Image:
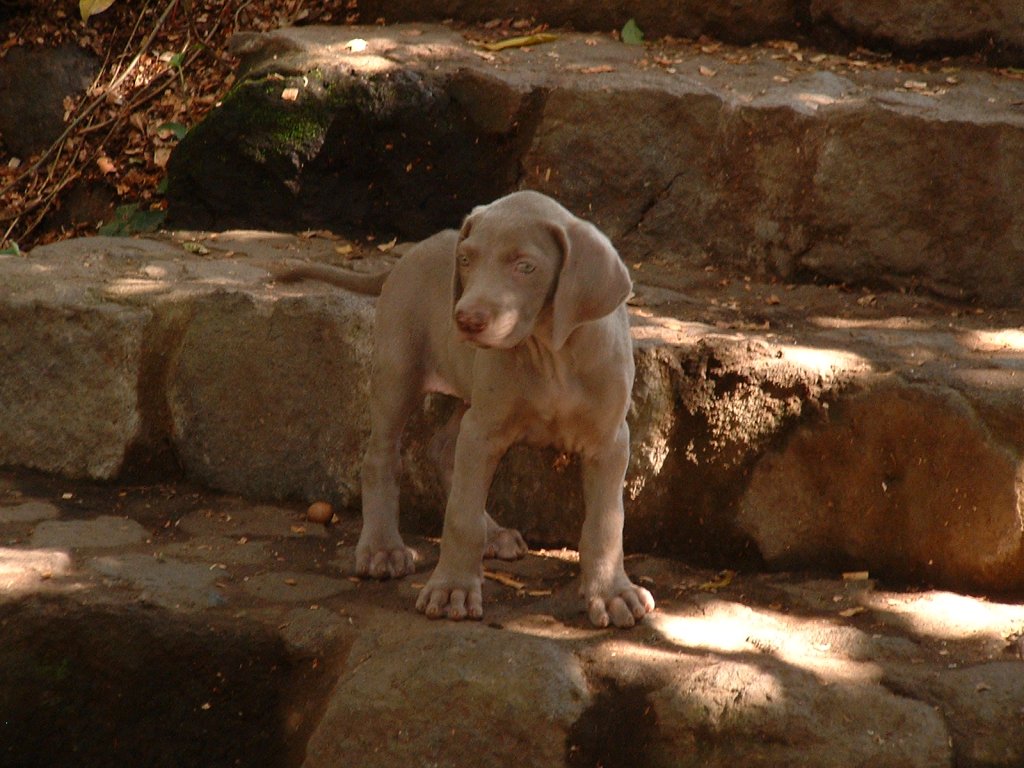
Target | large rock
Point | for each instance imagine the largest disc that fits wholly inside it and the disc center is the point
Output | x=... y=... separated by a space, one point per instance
x=249 y=414
x=934 y=26
x=449 y=695
x=70 y=365
x=928 y=26
x=837 y=442
x=740 y=21
x=34 y=82
x=773 y=160
x=890 y=478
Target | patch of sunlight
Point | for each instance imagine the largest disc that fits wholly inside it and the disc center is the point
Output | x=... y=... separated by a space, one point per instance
x=882 y=324
x=823 y=361
x=1000 y=340
x=650 y=327
x=949 y=616
x=815 y=100
x=23 y=569
x=136 y=286
x=731 y=629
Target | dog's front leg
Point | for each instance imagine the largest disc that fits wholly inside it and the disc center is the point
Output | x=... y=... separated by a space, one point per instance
x=608 y=594
x=455 y=587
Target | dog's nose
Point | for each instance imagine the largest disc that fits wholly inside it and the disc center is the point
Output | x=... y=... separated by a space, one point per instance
x=471 y=322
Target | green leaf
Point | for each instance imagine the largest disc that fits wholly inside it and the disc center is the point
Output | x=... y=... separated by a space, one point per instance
x=129 y=220
x=177 y=129
x=11 y=250
x=177 y=60
x=631 y=33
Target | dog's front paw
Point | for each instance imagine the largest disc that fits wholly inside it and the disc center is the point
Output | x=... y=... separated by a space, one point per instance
x=621 y=603
x=385 y=563
x=455 y=597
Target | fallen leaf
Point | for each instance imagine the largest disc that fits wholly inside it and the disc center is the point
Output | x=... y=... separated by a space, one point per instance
x=520 y=42
x=723 y=580
x=106 y=165
x=200 y=250
x=161 y=156
x=385 y=247
x=850 y=612
x=598 y=70
x=504 y=578
x=290 y=94
x=91 y=7
x=707 y=71
x=915 y=85
x=631 y=34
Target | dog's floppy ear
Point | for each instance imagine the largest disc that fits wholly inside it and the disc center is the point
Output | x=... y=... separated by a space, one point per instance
x=467 y=225
x=593 y=280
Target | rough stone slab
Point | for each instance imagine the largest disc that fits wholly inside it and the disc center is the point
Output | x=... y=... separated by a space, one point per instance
x=933 y=26
x=98 y=533
x=162 y=581
x=527 y=691
x=747 y=669
x=774 y=160
x=293 y=367
x=787 y=425
x=69 y=368
x=930 y=26
x=28 y=512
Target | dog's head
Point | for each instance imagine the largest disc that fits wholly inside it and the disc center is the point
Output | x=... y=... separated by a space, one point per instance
x=525 y=259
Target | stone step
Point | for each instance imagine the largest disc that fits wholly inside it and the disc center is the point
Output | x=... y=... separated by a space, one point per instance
x=992 y=27
x=773 y=160
x=166 y=626
x=793 y=426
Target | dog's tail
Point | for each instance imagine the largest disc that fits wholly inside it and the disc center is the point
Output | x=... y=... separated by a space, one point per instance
x=292 y=270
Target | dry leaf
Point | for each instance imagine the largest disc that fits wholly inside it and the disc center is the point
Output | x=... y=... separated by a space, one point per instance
x=106 y=165
x=506 y=579
x=601 y=69
x=161 y=155
x=915 y=85
x=707 y=71
x=91 y=7
x=290 y=94
x=385 y=247
x=520 y=42
x=724 y=580
x=850 y=612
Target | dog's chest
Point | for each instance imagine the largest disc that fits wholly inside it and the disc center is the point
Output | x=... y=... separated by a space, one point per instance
x=569 y=413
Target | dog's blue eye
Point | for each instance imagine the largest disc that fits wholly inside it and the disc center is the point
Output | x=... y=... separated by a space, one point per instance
x=525 y=267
